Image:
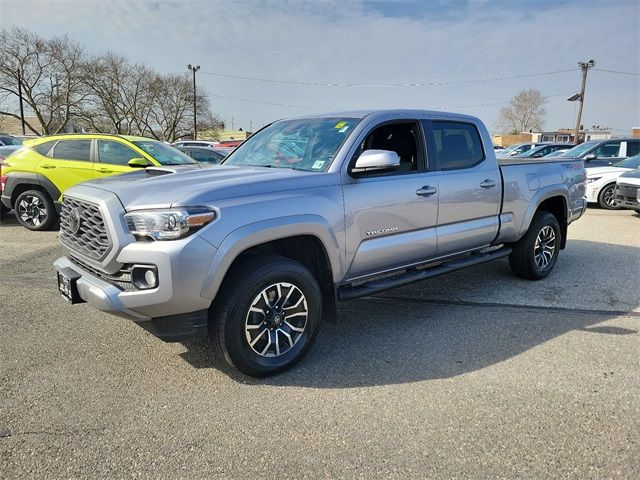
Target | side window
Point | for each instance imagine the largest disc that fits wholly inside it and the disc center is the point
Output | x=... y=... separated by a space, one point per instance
x=403 y=138
x=633 y=148
x=115 y=153
x=458 y=145
x=44 y=148
x=607 y=150
x=206 y=156
x=72 y=150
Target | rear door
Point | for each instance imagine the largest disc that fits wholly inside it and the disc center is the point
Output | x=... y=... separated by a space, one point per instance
x=470 y=187
x=68 y=163
x=112 y=158
x=391 y=216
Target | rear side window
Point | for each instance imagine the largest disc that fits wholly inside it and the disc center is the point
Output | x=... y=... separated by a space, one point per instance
x=44 y=148
x=458 y=145
x=633 y=148
x=72 y=150
x=115 y=153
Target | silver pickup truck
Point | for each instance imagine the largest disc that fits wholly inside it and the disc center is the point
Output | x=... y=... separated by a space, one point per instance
x=309 y=211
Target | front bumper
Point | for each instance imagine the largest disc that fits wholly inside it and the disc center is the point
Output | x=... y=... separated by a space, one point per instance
x=174 y=309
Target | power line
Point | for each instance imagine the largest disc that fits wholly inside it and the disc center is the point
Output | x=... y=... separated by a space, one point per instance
x=384 y=85
x=449 y=107
x=615 y=71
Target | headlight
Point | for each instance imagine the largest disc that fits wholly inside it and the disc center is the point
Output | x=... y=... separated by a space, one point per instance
x=168 y=224
x=592 y=179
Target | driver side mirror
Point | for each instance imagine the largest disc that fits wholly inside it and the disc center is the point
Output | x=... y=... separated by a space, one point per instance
x=138 y=163
x=376 y=160
x=591 y=156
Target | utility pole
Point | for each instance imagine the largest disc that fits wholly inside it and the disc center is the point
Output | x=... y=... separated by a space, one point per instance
x=195 y=118
x=585 y=66
x=20 y=99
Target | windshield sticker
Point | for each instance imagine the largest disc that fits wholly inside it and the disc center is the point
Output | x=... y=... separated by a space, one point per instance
x=343 y=129
x=340 y=125
x=318 y=164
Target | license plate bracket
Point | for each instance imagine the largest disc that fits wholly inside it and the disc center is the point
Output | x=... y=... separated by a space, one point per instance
x=68 y=285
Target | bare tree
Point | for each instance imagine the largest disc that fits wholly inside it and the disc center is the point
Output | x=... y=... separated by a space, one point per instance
x=50 y=73
x=525 y=112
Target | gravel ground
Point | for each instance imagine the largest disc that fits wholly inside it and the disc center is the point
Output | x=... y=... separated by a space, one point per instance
x=474 y=375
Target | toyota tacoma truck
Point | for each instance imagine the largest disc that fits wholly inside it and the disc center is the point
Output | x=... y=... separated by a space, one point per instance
x=309 y=211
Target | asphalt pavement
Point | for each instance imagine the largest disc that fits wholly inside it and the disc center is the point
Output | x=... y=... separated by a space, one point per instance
x=476 y=375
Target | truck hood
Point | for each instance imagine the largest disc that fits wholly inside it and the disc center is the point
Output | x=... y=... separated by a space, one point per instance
x=201 y=185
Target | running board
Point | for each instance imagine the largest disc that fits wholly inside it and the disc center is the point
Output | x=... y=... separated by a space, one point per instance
x=350 y=292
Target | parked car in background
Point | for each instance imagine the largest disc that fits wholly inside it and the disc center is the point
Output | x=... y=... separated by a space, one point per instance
x=602 y=153
x=9 y=140
x=35 y=177
x=7 y=150
x=628 y=190
x=601 y=182
x=195 y=143
x=206 y=154
x=545 y=150
x=517 y=149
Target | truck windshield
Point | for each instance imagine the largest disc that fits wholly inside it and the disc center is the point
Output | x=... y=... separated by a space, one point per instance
x=165 y=154
x=308 y=144
x=578 y=150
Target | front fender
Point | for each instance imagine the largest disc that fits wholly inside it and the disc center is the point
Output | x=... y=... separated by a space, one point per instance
x=265 y=231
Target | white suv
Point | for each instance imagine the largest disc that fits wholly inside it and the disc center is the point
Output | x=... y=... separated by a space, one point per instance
x=601 y=182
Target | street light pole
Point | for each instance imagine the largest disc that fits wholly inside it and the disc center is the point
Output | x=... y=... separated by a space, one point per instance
x=585 y=66
x=195 y=118
x=20 y=100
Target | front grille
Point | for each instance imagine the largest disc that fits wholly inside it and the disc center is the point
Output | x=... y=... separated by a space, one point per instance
x=90 y=237
x=627 y=190
x=121 y=279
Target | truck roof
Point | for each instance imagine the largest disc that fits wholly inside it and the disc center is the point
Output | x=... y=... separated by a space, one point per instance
x=405 y=113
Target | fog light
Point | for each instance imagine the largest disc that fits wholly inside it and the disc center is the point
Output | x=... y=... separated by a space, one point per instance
x=144 y=277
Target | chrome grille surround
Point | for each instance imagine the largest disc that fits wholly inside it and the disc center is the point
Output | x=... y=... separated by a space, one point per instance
x=91 y=239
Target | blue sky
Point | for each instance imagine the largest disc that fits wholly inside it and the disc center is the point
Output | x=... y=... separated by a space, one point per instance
x=368 y=42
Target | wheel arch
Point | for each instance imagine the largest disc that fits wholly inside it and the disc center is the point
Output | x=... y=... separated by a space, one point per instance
x=306 y=239
x=554 y=201
x=20 y=182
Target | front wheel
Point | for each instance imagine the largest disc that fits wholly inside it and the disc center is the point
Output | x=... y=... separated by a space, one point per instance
x=35 y=210
x=535 y=254
x=266 y=315
x=607 y=197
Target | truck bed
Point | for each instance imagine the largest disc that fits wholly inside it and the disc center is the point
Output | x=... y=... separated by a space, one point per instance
x=528 y=161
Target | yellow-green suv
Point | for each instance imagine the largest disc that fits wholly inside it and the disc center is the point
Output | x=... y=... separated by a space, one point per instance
x=34 y=178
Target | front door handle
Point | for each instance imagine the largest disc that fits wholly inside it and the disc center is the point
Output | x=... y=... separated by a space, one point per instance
x=488 y=183
x=426 y=191
x=105 y=170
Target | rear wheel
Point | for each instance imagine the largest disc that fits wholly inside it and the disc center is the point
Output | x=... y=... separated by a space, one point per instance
x=266 y=315
x=535 y=254
x=35 y=210
x=607 y=197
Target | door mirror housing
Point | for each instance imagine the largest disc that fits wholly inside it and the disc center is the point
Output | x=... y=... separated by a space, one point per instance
x=376 y=160
x=138 y=163
x=590 y=156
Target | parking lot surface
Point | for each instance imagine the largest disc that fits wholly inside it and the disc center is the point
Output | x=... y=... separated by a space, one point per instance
x=477 y=374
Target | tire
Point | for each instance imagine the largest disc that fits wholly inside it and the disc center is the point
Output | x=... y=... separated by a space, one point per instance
x=266 y=315
x=607 y=196
x=35 y=210
x=535 y=254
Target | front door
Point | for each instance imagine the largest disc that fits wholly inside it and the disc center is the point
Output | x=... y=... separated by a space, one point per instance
x=391 y=216
x=113 y=158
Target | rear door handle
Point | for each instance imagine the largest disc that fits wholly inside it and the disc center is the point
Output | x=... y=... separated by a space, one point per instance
x=426 y=191
x=48 y=166
x=488 y=184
